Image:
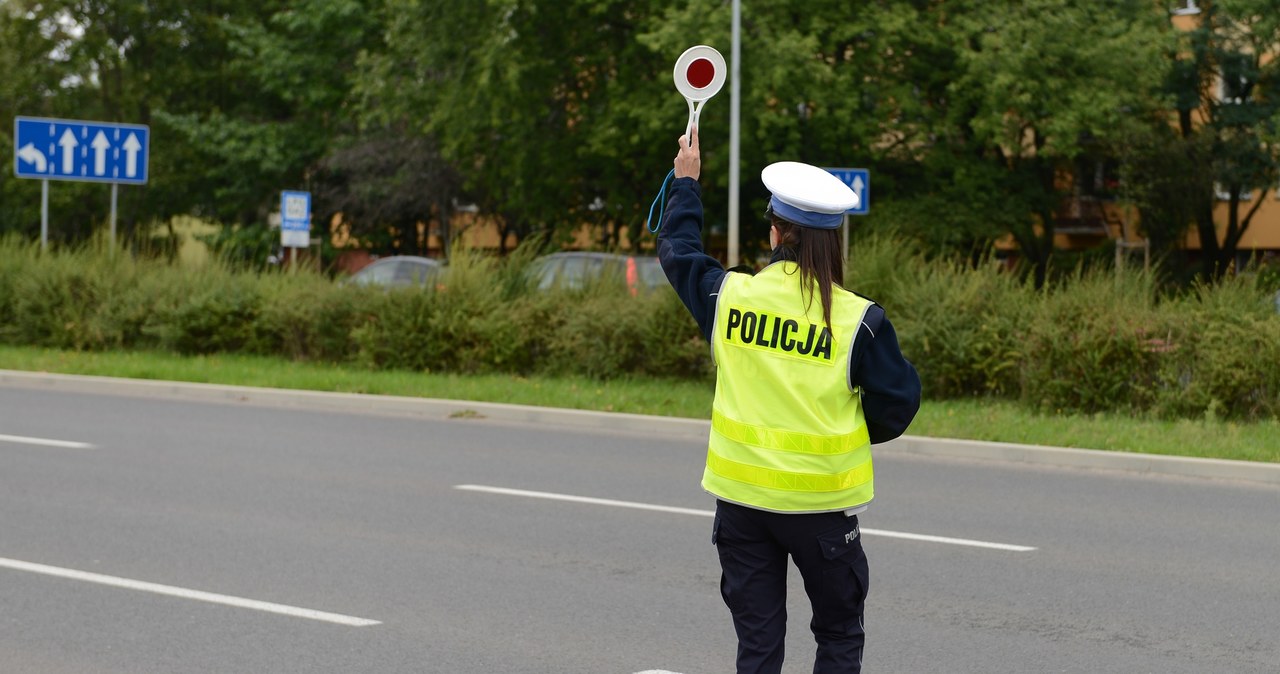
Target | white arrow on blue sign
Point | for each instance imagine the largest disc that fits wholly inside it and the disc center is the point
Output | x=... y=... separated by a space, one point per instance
x=860 y=181
x=70 y=149
x=295 y=219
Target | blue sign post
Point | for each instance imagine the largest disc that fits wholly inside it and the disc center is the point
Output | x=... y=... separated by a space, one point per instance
x=295 y=220
x=860 y=181
x=68 y=149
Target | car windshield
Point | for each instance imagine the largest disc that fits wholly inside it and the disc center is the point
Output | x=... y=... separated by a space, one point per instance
x=576 y=271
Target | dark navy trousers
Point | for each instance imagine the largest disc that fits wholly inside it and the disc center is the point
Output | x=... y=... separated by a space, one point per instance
x=827 y=549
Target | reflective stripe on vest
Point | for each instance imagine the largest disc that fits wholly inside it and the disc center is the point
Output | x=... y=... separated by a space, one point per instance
x=789 y=481
x=788 y=441
x=786 y=433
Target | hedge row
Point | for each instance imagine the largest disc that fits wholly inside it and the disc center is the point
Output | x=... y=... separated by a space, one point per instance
x=1104 y=341
x=1095 y=342
x=482 y=320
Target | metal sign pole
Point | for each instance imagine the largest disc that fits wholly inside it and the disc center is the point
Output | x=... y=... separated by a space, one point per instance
x=845 y=226
x=735 y=61
x=114 y=188
x=44 y=215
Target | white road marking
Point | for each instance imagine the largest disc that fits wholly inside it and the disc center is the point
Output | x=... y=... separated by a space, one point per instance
x=710 y=513
x=45 y=442
x=949 y=541
x=583 y=499
x=656 y=671
x=184 y=593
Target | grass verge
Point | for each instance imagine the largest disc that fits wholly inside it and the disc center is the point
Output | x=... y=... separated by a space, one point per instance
x=994 y=420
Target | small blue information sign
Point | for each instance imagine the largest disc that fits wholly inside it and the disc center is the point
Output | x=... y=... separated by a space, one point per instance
x=860 y=181
x=295 y=219
x=69 y=149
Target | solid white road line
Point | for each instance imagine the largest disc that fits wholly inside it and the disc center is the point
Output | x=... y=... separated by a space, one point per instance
x=185 y=593
x=22 y=440
x=710 y=513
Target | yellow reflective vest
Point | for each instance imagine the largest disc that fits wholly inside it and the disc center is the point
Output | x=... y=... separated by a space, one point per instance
x=787 y=428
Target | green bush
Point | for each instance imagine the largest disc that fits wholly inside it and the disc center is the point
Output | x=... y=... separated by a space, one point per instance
x=674 y=347
x=218 y=314
x=963 y=327
x=302 y=316
x=1092 y=343
x=468 y=323
x=1095 y=341
x=1224 y=349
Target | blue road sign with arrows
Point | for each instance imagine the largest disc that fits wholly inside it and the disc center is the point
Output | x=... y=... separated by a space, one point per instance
x=69 y=149
x=860 y=181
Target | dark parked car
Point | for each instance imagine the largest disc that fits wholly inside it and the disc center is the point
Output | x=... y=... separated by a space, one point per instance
x=576 y=270
x=399 y=271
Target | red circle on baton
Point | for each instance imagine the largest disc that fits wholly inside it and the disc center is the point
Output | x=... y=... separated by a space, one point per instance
x=700 y=73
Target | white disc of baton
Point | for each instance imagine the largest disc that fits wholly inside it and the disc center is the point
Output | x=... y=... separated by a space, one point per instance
x=700 y=72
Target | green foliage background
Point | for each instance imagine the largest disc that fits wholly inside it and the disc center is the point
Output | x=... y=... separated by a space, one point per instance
x=551 y=115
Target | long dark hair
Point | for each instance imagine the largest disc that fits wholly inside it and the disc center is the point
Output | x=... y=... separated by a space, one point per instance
x=817 y=253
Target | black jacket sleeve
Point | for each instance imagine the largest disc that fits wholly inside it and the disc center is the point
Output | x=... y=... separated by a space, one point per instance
x=695 y=275
x=889 y=382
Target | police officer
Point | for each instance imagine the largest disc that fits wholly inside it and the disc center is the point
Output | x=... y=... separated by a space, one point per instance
x=809 y=376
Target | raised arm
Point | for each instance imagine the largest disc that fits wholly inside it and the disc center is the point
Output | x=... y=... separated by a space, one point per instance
x=695 y=275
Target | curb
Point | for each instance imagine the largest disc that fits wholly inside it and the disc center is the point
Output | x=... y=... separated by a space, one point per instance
x=358 y=403
x=692 y=429
x=1068 y=457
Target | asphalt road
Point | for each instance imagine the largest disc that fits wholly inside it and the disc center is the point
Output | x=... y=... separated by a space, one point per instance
x=105 y=549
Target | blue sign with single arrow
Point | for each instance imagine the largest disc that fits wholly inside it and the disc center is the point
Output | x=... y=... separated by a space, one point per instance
x=860 y=181
x=69 y=149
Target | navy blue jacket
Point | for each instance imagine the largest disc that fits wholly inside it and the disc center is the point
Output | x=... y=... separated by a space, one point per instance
x=890 y=385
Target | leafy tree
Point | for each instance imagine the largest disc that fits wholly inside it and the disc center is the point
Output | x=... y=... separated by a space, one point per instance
x=288 y=69
x=44 y=73
x=1042 y=80
x=1226 y=82
x=141 y=63
x=519 y=94
x=382 y=184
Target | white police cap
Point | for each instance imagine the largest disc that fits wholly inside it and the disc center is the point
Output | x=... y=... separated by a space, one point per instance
x=807 y=195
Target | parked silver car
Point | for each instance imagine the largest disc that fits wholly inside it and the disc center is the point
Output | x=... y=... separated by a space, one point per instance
x=576 y=270
x=399 y=271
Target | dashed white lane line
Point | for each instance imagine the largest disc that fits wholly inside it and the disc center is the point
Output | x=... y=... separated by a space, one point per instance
x=710 y=513
x=45 y=442
x=583 y=499
x=185 y=593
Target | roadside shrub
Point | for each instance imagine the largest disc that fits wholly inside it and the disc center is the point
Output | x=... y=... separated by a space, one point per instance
x=962 y=327
x=1092 y=344
x=600 y=334
x=305 y=317
x=1224 y=355
x=392 y=335
x=1095 y=341
x=883 y=267
x=673 y=345
x=54 y=300
x=17 y=256
x=462 y=325
x=218 y=316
